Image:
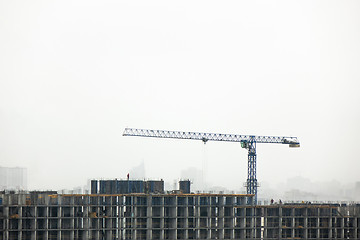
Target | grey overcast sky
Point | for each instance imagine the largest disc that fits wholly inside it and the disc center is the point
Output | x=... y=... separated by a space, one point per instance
x=74 y=74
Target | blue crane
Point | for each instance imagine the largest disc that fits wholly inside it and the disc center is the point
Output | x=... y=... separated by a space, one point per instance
x=247 y=141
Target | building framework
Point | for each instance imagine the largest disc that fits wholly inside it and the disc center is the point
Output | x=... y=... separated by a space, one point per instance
x=170 y=216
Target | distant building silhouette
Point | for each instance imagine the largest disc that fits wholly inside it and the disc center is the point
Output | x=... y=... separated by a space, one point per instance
x=137 y=172
x=13 y=178
x=195 y=176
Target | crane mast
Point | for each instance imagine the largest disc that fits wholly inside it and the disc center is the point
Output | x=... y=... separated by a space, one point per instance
x=247 y=141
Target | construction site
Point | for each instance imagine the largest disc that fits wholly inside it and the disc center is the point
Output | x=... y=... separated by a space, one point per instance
x=126 y=209
x=142 y=209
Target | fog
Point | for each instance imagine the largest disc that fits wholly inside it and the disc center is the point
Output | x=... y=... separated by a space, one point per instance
x=74 y=74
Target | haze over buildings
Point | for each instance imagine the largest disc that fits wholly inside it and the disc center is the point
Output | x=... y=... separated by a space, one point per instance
x=13 y=178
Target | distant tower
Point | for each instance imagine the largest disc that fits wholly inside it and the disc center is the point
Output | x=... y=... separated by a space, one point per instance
x=357 y=191
x=13 y=178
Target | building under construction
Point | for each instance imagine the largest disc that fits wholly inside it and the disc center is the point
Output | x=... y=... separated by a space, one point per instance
x=126 y=209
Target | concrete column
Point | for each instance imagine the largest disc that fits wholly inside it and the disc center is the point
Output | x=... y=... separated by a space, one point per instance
x=197 y=218
x=292 y=223
x=306 y=223
x=330 y=225
x=46 y=219
x=186 y=216
x=72 y=215
x=232 y=224
x=6 y=222
x=175 y=207
x=265 y=223
x=253 y=224
x=109 y=220
x=355 y=228
x=86 y=220
x=280 y=222
x=221 y=217
x=59 y=214
x=133 y=218
x=34 y=228
x=149 y=215
x=119 y=224
x=20 y=220
x=317 y=223
x=208 y=218
x=162 y=218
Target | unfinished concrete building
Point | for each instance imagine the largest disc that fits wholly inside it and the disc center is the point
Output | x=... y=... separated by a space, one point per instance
x=173 y=215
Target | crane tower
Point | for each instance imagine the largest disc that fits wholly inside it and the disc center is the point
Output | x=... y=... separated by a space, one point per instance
x=247 y=141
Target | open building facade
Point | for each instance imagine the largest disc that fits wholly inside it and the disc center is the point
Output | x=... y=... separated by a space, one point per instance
x=150 y=213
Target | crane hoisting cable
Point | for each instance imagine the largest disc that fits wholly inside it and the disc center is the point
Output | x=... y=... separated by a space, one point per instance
x=247 y=141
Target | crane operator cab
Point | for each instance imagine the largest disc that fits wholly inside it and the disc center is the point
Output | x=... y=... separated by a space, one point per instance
x=244 y=144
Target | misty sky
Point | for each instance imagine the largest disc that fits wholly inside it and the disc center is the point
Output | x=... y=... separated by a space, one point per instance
x=74 y=74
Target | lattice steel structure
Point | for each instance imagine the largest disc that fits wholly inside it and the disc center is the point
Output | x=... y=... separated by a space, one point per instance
x=247 y=141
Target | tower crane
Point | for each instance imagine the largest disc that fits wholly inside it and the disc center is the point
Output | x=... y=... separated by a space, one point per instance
x=247 y=141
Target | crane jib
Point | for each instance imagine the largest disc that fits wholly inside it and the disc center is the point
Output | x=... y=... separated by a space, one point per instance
x=209 y=136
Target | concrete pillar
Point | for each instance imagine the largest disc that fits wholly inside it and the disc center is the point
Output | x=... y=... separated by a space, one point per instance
x=292 y=223
x=232 y=223
x=317 y=223
x=162 y=218
x=306 y=223
x=330 y=224
x=356 y=228
x=6 y=223
x=149 y=218
x=186 y=216
x=197 y=218
x=280 y=222
x=221 y=217
x=34 y=227
x=59 y=214
x=208 y=217
x=265 y=235
x=20 y=225
x=174 y=223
